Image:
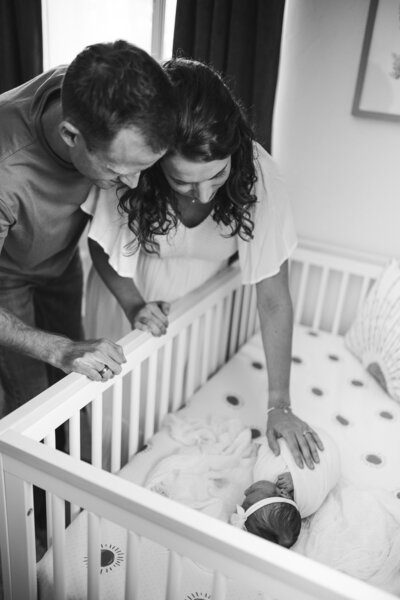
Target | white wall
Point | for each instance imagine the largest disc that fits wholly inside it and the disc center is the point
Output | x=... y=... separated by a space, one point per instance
x=342 y=171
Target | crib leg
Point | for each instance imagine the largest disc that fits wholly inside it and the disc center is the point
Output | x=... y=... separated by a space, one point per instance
x=21 y=539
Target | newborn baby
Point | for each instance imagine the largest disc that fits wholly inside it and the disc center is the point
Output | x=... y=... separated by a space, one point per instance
x=282 y=493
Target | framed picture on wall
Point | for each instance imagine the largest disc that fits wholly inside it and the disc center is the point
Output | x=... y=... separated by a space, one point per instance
x=377 y=93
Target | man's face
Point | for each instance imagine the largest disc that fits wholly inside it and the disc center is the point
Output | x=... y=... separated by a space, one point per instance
x=121 y=162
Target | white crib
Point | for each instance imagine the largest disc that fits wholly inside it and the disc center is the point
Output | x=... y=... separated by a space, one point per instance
x=206 y=329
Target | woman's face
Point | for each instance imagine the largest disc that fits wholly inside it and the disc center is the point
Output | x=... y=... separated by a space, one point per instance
x=195 y=180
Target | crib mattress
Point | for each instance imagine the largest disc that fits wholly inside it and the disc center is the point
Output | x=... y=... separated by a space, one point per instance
x=329 y=388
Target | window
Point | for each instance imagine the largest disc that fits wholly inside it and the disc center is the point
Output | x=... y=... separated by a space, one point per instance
x=70 y=26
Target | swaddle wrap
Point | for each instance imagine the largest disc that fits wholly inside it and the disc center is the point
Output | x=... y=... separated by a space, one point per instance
x=311 y=486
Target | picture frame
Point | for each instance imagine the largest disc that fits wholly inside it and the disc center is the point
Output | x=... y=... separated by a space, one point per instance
x=377 y=93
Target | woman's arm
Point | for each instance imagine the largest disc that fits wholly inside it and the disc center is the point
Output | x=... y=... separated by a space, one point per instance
x=147 y=316
x=276 y=319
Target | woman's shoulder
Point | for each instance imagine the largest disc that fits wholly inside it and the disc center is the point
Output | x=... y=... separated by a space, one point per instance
x=101 y=203
x=263 y=162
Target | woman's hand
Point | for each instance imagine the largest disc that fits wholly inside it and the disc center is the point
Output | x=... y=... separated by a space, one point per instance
x=302 y=440
x=151 y=317
x=146 y=316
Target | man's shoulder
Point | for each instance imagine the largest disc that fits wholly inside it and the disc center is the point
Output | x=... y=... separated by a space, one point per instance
x=20 y=108
x=51 y=79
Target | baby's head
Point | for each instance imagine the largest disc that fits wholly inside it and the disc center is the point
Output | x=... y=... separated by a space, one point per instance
x=275 y=518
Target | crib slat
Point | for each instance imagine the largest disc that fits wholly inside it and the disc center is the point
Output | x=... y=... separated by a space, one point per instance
x=206 y=348
x=49 y=519
x=219 y=587
x=58 y=511
x=134 y=411
x=165 y=383
x=116 y=426
x=233 y=342
x=19 y=577
x=96 y=423
x=93 y=556
x=192 y=359
x=364 y=290
x=217 y=331
x=253 y=313
x=320 y=299
x=302 y=290
x=174 y=576
x=75 y=448
x=179 y=368
x=151 y=397
x=244 y=317
x=340 y=301
x=74 y=426
x=132 y=566
x=49 y=440
x=224 y=338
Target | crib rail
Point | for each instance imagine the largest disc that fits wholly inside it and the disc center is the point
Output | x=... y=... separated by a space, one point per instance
x=213 y=322
x=206 y=329
x=227 y=552
x=328 y=288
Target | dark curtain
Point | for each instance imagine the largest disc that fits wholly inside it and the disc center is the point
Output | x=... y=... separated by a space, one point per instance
x=20 y=42
x=241 y=39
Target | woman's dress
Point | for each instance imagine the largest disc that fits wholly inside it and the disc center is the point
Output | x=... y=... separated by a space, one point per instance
x=187 y=256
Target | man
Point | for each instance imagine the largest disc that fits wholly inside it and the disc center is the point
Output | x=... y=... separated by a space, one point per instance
x=100 y=121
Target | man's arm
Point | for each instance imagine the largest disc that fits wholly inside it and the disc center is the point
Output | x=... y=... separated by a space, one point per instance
x=86 y=357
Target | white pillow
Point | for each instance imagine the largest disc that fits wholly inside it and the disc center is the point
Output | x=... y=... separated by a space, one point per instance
x=374 y=337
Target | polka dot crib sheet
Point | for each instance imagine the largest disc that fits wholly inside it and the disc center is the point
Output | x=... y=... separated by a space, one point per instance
x=329 y=388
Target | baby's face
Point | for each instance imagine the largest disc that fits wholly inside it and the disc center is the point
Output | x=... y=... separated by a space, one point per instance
x=262 y=489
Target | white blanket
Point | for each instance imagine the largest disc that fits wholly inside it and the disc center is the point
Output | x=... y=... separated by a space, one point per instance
x=210 y=465
x=354 y=530
x=330 y=388
x=211 y=468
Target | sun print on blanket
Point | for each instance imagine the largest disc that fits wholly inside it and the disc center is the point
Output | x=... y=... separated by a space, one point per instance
x=111 y=556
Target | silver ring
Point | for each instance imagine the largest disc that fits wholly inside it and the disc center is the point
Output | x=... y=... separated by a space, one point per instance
x=307 y=431
x=104 y=370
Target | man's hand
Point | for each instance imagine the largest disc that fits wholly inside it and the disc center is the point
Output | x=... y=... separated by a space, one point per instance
x=302 y=440
x=89 y=358
x=152 y=317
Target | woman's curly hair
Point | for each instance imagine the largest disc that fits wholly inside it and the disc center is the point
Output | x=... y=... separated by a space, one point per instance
x=211 y=125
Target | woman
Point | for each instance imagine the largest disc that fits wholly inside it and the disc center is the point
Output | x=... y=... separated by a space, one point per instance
x=214 y=193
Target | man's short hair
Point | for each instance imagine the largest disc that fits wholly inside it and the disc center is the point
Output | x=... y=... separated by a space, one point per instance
x=111 y=86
